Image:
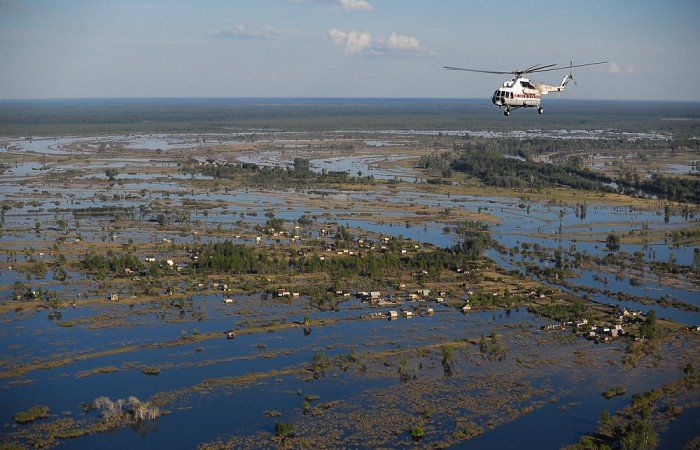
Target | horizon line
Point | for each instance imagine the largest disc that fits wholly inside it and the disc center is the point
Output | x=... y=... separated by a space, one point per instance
x=486 y=99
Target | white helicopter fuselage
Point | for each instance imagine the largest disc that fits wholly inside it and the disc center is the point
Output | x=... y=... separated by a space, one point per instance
x=521 y=93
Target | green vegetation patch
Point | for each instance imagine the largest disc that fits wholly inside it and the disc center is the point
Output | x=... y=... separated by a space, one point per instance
x=150 y=370
x=614 y=392
x=30 y=415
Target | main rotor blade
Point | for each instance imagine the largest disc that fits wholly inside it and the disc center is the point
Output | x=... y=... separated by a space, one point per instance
x=537 y=68
x=530 y=68
x=570 y=67
x=475 y=70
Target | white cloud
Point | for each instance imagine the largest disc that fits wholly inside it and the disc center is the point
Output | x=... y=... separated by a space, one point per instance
x=348 y=5
x=403 y=43
x=356 y=5
x=255 y=31
x=133 y=6
x=614 y=68
x=352 y=43
x=358 y=42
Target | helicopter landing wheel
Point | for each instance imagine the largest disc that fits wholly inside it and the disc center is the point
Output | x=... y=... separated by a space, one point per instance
x=540 y=110
x=506 y=112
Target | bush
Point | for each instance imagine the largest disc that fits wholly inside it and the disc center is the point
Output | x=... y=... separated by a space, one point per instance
x=150 y=370
x=639 y=435
x=30 y=415
x=125 y=412
x=614 y=392
x=284 y=429
x=418 y=432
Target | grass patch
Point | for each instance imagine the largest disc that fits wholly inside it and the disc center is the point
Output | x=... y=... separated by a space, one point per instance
x=150 y=370
x=614 y=392
x=30 y=415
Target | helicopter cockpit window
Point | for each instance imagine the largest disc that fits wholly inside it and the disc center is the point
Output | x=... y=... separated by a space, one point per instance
x=527 y=85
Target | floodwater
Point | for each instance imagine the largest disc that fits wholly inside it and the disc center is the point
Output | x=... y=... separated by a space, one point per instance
x=42 y=336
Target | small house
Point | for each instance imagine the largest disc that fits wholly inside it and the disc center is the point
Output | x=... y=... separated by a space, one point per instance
x=393 y=315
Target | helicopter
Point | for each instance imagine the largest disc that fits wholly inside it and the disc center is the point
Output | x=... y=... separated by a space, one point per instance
x=520 y=92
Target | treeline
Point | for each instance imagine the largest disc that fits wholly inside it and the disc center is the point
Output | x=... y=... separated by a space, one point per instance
x=536 y=146
x=495 y=170
x=110 y=210
x=227 y=257
x=670 y=188
x=299 y=173
x=376 y=265
x=561 y=312
x=111 y=262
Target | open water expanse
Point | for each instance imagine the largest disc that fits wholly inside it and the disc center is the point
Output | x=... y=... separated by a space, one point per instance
x=545 y=393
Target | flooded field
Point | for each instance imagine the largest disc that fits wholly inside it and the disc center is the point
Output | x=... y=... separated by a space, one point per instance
x=337 y=328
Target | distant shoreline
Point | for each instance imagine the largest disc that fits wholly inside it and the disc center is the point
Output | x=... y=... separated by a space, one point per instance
x=238 y=100
x=202 y=115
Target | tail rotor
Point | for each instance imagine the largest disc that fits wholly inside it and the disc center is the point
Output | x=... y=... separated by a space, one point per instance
x=571 y=74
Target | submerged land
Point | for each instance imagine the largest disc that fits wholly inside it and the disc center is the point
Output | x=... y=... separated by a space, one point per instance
x=349 y=273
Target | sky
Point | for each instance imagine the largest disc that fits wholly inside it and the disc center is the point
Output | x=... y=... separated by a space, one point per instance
x=343 y=48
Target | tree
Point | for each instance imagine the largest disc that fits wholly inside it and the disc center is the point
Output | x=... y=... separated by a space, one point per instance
x=688 y=369
x=613 y=242
x=447 y=357
x=111 y=173
x=639 y=435
x=418 y=432
x=284 y=429
x=648 y=329
x=301 y=166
